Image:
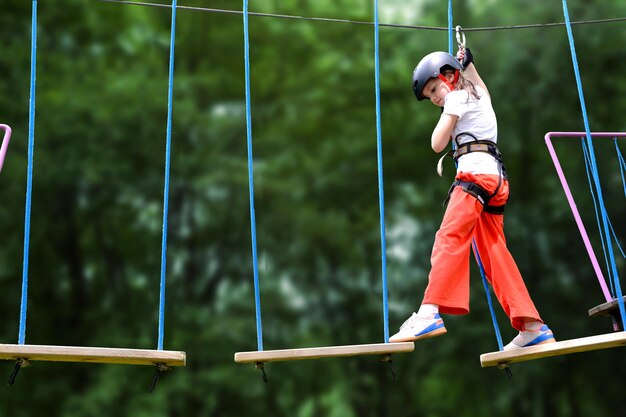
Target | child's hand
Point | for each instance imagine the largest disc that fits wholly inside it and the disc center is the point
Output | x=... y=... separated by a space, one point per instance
x=460 y=54
x=464 y=55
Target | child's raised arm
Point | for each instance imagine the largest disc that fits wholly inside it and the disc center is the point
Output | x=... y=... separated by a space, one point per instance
x=470 y=71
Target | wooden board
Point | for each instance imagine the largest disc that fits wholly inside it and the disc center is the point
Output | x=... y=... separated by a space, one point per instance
x=565 y=347
x=323 y=352
x=92 y=355
x=606 y=308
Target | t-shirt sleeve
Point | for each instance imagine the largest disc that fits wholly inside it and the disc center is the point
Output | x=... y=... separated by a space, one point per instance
x=456 y=103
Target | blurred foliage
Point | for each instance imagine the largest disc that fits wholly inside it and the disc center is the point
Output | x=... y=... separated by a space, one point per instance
x=97 y=205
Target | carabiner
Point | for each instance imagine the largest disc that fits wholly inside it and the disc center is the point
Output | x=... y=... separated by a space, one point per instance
x=460 y=37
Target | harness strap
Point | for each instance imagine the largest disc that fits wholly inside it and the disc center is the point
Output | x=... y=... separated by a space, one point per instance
x=478 y=193
x=485 y=146
x=489 y=148
x=472 y=188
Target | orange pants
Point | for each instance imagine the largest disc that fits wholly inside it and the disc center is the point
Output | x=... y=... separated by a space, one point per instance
x=448 y=281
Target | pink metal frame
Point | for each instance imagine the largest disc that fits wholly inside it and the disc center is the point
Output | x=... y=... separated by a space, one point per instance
x=572 y=203
x=5 y=143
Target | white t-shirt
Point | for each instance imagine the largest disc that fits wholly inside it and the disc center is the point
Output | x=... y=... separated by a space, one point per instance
x=476 y=116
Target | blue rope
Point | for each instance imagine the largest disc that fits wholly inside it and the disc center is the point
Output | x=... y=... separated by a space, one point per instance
x=588 y=168
x=597 y=218
x=166 y=190
x=595 y=174
x=381 y=191
x=587 y=162
x=622 y=164
x=489 y=302
x=616 y=240
x=255 y=262
x=29 y=179
x=450 y=28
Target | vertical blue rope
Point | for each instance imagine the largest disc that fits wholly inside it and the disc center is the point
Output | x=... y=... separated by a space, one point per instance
x=255 y=262
x=29 y=180
x=381 y=191
x=622 y=164
x=166 y=188
x=450 y=29
x=595 y=174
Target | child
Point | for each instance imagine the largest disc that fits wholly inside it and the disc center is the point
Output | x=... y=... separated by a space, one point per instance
x=475 y=206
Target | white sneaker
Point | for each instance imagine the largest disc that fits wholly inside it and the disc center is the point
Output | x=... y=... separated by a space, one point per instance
x=531 y=338
x=416 y=327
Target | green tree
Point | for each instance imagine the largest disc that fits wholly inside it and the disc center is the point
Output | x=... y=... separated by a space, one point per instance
x=98 y=190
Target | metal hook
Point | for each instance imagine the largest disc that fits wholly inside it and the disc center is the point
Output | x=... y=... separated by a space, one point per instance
x=506 y=368
x=21 y=363
x=460 y=37
x=261 y=367
x=387 y=358
x=160 y=367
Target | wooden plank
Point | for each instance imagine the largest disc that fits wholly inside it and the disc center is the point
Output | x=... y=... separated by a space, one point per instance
x=606 y=309
x=323 y=352
x=92 y=355
x=565 y=347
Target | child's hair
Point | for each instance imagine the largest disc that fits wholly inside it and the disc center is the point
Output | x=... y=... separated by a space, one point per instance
x=464 y=84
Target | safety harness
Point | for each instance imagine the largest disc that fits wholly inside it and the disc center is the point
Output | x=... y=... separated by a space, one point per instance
x=472 y=188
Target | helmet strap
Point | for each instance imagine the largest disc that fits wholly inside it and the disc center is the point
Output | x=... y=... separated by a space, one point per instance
x=448 y=83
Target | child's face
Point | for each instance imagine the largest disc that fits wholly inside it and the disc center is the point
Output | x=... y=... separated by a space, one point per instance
x=436 y=90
